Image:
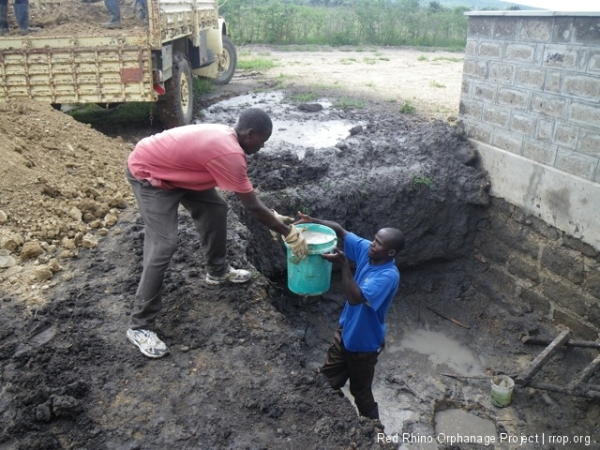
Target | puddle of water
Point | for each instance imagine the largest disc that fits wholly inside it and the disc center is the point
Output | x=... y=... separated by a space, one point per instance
x=313 y=129
x=453 y=423
x=441 y=350
x=391 y=415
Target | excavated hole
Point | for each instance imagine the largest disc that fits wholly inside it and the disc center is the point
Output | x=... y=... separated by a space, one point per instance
x=367 y=171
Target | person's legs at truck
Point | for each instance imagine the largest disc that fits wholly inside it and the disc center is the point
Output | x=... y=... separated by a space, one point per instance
x=3 y=17
x=114 y=10
x=22 y=16
x=140 y=8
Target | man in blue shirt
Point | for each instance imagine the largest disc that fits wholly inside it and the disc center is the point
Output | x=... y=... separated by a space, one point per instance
x=356 y=344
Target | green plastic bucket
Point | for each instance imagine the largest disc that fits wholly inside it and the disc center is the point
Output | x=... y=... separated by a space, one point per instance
x=502 y=390
x=311 y=275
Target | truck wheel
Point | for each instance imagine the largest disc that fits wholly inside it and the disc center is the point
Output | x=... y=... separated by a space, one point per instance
x=227 y=62
x=177 y=106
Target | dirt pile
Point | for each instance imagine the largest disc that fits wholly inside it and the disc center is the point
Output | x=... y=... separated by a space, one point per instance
x=62 y=186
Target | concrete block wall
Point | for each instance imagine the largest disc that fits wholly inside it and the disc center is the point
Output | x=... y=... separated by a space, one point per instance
x=532 y=266
x=531 y=86
x=530 y=104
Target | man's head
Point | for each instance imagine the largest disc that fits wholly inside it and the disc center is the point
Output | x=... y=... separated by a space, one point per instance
x=253 y=129
x=386 y=245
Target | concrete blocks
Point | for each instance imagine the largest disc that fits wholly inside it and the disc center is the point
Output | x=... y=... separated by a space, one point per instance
x=530 y=104
x=586 y=87
x=530 y=77
x=523 y=124
x=537 y=268
x=587 y=114
x=501 y=73
x=520 y=52
x=508 y=141
x=586 y=30
x=496 y=115
x=548 y=105
x=538 y=151
x=560 y=57
x=536 y=30
x=513 y=98
x=576 y=163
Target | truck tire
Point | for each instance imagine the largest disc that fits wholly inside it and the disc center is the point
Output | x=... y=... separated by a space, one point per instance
x=177 y=105
x=227 y=62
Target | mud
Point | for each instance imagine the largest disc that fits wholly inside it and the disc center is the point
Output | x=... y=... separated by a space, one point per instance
x=241 y=370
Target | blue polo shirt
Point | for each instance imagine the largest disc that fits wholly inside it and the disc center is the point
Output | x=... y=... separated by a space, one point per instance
x=363 y=326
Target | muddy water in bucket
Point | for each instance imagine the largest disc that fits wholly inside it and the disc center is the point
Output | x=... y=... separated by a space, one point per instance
x=311 y=275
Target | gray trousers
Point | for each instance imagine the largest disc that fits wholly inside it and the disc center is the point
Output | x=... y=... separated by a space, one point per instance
x=158 y=208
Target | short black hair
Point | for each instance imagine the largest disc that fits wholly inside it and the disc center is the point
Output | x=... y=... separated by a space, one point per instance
x=395 y=239
x=256 y=119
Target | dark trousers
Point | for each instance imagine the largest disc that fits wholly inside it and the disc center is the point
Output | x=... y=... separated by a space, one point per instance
x=342 y=365
x=158 y=208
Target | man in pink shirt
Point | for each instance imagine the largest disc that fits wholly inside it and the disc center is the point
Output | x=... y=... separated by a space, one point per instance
x=184 y=165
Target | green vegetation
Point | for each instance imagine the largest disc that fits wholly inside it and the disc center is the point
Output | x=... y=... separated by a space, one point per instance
x=420 y=180
x=202 y=86
x=435 y=84
x=407 y=108
x=357 y=23
x=304 y=97
x=422 y=58
x=447 y=58
x=349 y=103
x=255 y=63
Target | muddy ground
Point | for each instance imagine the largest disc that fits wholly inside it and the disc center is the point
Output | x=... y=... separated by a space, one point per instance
x=241 y=370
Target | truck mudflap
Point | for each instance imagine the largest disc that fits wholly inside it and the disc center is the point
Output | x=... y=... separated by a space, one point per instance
x=91 y=70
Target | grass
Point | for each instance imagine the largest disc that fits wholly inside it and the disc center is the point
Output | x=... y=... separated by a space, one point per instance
x=435 y=84
x=420 y=180
x=257 y=63
x=448 y=58
x=422 y=58
x=304 y=97
x=407 y=108
x=202 y=86
x=349 y=103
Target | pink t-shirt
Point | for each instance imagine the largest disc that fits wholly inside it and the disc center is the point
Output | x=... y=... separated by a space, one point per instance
x=195 y=157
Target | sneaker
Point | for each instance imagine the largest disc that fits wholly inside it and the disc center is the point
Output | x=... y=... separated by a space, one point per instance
x=112 y=25
x=148 y=343
x=232 y=275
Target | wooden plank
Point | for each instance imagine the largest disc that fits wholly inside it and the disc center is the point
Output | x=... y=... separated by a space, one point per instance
x=525 y=377
x=570 y=343
x=586 y=374
x=588 y=393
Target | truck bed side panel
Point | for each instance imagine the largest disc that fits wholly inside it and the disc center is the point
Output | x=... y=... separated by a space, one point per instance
x=93 y=71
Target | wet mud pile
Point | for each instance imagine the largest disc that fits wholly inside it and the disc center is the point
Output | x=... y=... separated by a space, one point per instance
x=392 y=171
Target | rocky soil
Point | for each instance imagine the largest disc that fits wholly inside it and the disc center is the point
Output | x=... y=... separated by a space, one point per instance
x=241 y=370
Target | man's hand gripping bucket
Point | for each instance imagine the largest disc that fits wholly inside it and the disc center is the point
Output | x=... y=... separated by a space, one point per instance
x=311 y=275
